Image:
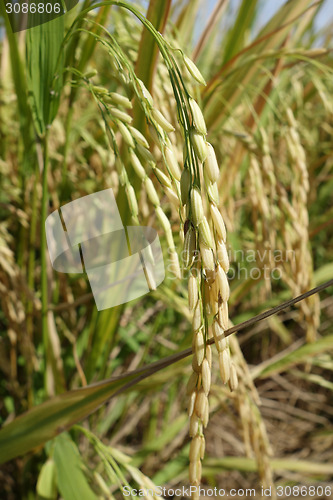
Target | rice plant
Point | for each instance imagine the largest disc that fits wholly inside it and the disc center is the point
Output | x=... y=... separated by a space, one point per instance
x=218 y=134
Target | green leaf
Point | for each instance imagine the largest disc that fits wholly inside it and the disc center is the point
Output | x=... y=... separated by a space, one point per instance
x=283 y=362
x=44 y=422
x=44 y=71
x=237 y=37
x=46 y=484
x=71 y=480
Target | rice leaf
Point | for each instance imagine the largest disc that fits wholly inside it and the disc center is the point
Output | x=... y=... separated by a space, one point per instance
x=71 y=480
x=44 y=62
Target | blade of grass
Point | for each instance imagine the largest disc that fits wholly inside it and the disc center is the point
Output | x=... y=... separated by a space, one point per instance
x=59 y=413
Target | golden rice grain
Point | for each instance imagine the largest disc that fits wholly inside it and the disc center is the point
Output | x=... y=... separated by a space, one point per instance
x=199 y=145
x=196 y=321
x=198 y=119
x=194 y=425
x=151 y=191
x=207 y=256
x=218 y=222
x=162 y=121
x=193 y=70
x=196 y=206
x=199 y=345
x=120 y=99
x=222 y=255
x=211 y=166
x=138 y=137
x=224 y=365
x=191 y=402
x=172 y=163
x=223 y=316
x=206 y=376
x=205 y=234
x=191 y=384
x=195 y=448
x=200 y=404
x=121 y=115
x=126 y=134
x=192 y=292
x=223 y=284
x=233 y=382
x=138 y=168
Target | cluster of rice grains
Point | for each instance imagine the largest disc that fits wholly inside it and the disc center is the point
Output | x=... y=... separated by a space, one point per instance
x=194 y=193
x=205 y=254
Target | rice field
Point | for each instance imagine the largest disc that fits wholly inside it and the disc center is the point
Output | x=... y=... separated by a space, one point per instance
x=213 y=127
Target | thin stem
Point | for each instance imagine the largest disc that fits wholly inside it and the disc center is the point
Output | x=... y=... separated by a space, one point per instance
x=44 y=287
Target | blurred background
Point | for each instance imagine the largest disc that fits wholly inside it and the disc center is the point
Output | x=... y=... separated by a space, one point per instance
x=268 y=108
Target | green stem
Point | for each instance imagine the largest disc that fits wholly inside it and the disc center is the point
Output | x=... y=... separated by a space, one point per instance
x=44 y=287
x=30 y=281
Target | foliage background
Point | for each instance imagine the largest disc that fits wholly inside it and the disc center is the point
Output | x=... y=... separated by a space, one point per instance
x=268 y=108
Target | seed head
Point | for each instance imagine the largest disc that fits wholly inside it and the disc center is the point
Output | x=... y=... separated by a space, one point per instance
x=144 y=153
x=199 y=345
x=205 y=234
x=120 y=99
x=200 y=403
x=193 y=70
x=151 y=192
x=222 y=316
x=163 y=219
x=194 y=425
x=202 y=447
x=209 y=355
x=196 y=322
x=206 y=376
x=126 y=134
x=132 y=200
x=192 y=291
x=191 y=384
x=148 y=270
x=162 y=177
x=223 y=284
x=138 y=168
x=222 y=255
x=189 y=247
x=139 y=138
x=195 y=447
x=172 y=197
x=198 y=119
x=218 y=333
x=233 y=382
x=191 y=402
x=193 y=473
x=144 y=92
x=224 y=365
x=196 y=206
x=172 y=163
x=212 y=189
x=162 y=121
x=124 y=117
x=207 y=256
x=211 y=166
x=218 y=222
x=174 y=266
x=199 y=145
